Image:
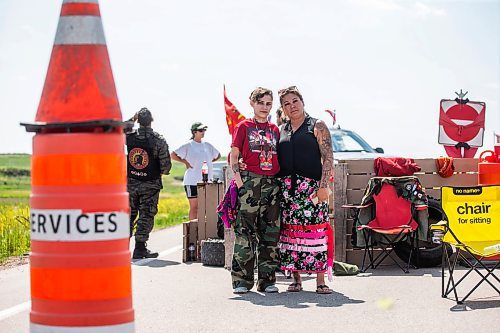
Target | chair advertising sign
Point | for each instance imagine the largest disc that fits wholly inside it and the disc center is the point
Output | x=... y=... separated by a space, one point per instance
x=473 y=214
x=473 y=229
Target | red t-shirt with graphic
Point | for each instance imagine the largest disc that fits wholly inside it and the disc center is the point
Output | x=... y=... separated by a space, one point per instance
x=258 y=143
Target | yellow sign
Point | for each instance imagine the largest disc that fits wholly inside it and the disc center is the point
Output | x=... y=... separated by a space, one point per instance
x=473 y=215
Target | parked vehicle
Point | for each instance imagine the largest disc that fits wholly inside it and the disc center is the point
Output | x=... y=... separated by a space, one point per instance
x=348 y=145
x=217 y=170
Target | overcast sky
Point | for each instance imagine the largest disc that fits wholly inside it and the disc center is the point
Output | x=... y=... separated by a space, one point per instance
x=383 y=65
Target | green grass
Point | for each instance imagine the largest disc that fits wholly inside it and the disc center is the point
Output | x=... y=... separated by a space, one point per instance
x=14 y=230
x=15 y=187
x=14 y=176
x=172 y=184
x=15 y=161
x=173 y=207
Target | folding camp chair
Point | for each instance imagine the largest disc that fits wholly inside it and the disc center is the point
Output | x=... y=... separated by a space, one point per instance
x=473 y=232
x=392 y=219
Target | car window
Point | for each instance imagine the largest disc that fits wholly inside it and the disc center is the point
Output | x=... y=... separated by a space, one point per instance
x=346 y=141
x=217 y=172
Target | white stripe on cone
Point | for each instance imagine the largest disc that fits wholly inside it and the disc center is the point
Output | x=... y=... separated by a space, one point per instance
x=122 y=328
x=80 y=30
x=67 y=225
x=80 y=1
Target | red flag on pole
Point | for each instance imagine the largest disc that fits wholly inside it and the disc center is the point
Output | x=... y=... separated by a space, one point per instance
x=497 y=145
x=334 y=116
x=233 y=116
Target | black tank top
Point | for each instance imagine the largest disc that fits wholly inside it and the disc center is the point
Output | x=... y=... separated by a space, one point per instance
x=141 y=162
x=298 y=152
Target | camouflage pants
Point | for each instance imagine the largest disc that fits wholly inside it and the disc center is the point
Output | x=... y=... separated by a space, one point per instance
x=256 y=232
x=143 y=200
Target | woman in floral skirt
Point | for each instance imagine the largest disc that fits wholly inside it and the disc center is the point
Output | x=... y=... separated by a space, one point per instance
x=306 y=161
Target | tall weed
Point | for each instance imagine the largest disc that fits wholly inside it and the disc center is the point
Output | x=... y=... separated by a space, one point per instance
x=171 y=211
x=14 y=230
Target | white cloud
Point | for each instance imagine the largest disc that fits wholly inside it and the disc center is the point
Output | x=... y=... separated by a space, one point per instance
x=28 y=29
x=493 y=86
x=169 y=67
x=384 y=5
x=423 y=10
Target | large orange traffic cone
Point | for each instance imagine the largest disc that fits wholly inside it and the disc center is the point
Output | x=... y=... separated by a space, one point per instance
x=79 y=86
x=80 y=263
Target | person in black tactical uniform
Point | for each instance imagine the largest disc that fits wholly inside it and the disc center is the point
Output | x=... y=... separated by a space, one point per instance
x=147 y=159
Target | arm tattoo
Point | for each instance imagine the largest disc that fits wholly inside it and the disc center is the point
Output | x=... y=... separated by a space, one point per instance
x=235 y=167
x=325 y=146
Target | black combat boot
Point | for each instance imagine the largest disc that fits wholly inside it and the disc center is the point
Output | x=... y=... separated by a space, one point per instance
x=141 y=252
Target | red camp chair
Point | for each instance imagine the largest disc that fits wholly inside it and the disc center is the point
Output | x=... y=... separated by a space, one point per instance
x=393 y=222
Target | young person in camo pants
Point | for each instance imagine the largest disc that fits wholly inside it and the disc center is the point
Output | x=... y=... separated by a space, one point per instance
x=257 y=223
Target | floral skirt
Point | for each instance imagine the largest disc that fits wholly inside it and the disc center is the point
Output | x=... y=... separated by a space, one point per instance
x=305 y=228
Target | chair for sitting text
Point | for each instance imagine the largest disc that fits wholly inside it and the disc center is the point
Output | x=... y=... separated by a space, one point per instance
x=473 y=232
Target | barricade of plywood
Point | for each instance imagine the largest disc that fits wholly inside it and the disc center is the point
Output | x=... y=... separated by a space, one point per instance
x=205 y=226
x=351 y=178
x=209 y=196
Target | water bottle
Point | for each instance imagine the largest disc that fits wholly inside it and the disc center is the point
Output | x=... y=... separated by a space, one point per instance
x=191 y=252
x=204 y=172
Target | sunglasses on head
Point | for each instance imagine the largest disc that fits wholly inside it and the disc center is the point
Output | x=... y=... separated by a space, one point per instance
x=291 y=89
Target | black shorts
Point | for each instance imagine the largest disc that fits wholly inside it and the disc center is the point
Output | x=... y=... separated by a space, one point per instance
x=191 y=191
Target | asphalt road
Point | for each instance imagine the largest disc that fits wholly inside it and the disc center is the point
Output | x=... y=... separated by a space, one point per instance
x=170 y=296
